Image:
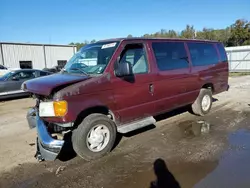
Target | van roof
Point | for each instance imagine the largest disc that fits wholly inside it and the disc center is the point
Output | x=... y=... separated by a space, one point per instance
x=160 y=39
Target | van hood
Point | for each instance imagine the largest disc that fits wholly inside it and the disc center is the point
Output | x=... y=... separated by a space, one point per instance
x=45 y=85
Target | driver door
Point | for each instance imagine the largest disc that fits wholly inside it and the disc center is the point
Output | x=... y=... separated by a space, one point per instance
x=134 y=95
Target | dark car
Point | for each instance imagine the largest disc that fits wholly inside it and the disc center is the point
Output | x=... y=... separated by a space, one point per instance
x=54 y=69
x=128 y=83
x=10 y=83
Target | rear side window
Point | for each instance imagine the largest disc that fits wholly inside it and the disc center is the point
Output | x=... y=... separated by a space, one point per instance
x=170 y=55
x=203 y=53
x=223 y=55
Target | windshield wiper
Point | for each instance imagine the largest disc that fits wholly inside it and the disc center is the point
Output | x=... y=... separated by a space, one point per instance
x=82 y=71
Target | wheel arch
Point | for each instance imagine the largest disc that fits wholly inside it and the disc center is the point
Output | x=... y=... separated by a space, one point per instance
x=94 y=109
x=209 y=86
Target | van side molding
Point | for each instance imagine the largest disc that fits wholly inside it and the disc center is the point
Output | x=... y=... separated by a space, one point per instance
x=128 y=127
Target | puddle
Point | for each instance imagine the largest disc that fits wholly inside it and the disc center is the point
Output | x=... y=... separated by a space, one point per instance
x=233 y=170
x=184 y=174
x=194 y=128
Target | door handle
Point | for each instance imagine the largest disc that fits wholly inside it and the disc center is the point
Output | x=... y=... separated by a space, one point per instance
x=151 y=88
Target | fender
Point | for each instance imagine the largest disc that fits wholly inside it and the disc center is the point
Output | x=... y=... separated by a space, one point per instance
x=76 y=106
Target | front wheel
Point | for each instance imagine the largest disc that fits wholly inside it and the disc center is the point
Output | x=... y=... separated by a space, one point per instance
x=203 y=103
x=94 y=137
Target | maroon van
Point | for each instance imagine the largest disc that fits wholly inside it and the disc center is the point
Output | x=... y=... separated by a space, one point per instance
x=119 y=85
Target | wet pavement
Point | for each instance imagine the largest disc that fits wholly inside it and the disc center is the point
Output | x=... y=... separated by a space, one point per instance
x=233 y=169
x=210 y=151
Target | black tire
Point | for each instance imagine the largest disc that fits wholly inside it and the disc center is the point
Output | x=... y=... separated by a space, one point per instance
x=197 y=108
x=80 y=134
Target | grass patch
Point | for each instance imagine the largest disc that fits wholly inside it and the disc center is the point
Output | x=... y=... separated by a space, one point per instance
x=233 y=74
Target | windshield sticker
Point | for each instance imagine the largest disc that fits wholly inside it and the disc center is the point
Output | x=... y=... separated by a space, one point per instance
x=108 y=45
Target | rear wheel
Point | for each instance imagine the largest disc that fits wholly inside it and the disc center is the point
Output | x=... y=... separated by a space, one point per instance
x=203 y=103
x=94 y=137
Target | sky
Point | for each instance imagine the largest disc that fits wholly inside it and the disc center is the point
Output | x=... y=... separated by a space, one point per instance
x=65 y=21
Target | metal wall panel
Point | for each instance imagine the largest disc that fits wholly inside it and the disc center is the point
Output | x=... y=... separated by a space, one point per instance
x=55 y=53
x=239 y=58
x=1 y=55
x=13 y=53
x=74 y=49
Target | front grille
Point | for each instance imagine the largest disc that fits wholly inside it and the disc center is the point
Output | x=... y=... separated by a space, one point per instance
x=54 y=128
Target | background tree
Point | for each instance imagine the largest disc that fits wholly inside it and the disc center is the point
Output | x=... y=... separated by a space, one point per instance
x=240 y=33
x=172 y=34
x=223 y=35
x=188 y=32
x=146 y=35
x=235 y=35
x=79 y=45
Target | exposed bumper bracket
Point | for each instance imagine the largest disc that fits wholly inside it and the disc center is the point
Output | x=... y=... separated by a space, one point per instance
x=31 y=118
x=48 y=147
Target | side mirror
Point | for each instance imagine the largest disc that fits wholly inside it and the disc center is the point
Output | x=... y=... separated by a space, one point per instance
x=123 y=69
x=15 y=78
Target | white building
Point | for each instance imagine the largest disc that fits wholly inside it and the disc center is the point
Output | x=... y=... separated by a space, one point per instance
x=37 y=56
x=238 y=58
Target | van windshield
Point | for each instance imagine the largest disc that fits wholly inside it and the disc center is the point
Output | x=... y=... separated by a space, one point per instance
x=91 y=59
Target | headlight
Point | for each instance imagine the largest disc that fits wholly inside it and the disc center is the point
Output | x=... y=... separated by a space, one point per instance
x=23 y=86
x=52 y=109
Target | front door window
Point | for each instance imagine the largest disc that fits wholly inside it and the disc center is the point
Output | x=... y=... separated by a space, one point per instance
x=136 y=56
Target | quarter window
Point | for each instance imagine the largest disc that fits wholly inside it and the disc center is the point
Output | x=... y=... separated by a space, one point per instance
x=223 y=56
x=203 y=53
x=170 y=55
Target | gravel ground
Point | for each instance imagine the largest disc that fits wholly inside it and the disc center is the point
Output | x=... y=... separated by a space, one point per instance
x=198 y=151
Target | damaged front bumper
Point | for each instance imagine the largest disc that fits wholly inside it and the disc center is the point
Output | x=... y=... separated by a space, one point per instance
x=48 y=148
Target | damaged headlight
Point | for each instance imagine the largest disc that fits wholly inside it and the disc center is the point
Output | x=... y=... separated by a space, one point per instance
x=53 y=109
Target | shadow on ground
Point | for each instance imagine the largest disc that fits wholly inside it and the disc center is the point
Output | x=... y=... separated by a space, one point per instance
x=67 y=153
x=164 y=178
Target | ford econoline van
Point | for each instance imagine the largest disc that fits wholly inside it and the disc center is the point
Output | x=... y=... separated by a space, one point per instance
x=120 y=85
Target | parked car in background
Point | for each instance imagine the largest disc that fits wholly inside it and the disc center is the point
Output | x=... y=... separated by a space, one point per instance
x=4 y=70
x=131 y=81
x=54 y=69
x=10 y=82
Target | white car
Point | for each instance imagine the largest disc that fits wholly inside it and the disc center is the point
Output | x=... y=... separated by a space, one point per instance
x=4 y=70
